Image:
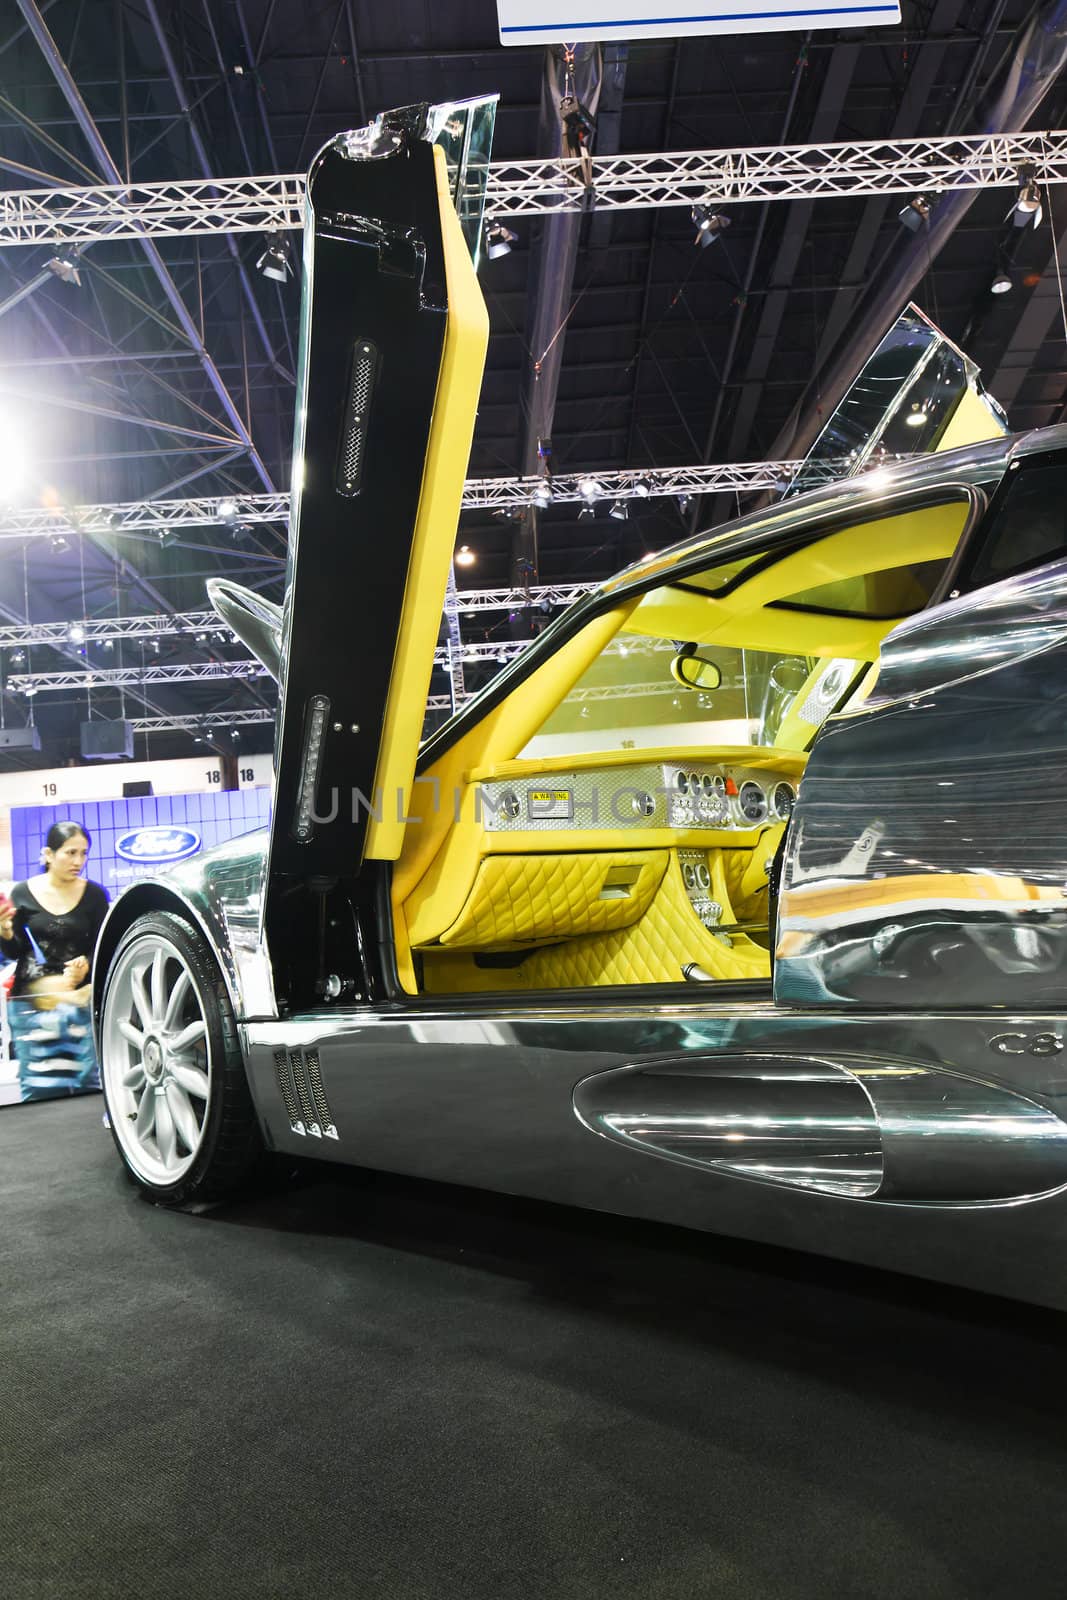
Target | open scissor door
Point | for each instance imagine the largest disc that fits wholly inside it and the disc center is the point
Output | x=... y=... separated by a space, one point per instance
x=393 y=336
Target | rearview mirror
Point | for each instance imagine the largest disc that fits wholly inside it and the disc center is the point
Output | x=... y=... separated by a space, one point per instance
x=695 y=672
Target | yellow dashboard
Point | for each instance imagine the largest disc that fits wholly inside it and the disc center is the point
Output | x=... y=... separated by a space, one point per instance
x=590 y=837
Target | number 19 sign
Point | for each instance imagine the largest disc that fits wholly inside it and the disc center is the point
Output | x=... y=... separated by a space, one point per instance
x=553 y=21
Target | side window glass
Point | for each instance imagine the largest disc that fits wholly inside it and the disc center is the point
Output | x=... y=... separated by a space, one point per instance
x=1029 y=529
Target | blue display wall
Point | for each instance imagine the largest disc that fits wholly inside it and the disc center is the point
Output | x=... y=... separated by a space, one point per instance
x=135 y=838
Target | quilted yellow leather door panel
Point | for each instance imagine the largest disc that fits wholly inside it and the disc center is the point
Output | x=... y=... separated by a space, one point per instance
x=523 y=898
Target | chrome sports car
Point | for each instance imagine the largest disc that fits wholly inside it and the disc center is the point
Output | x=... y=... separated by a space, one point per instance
x=737 y=900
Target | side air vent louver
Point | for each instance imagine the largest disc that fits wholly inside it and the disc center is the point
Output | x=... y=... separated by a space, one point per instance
x=318 y=1094
x=353 y=444
x=303 y=1093
x=288 y=1094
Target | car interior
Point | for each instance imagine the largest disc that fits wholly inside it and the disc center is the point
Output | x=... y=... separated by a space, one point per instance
x=614 y=819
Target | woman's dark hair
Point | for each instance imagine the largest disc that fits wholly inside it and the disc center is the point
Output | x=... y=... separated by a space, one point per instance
x=60 y=832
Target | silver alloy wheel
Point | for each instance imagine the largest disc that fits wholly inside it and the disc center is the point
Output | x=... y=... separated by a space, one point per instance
x=156 y=1059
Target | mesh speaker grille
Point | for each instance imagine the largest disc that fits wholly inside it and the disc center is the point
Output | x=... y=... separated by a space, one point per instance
x=352 y=449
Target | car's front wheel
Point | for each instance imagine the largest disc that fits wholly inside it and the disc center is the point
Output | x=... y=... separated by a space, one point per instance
x=171 y=1066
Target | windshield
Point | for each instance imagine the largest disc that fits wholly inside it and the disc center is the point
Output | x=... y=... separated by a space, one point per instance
x=629 y=699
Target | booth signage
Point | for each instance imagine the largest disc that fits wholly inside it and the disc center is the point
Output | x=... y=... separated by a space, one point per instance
x=160 y=846
x=527 y=22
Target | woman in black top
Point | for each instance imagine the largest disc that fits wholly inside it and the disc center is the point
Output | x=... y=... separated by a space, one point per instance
x=51 y=922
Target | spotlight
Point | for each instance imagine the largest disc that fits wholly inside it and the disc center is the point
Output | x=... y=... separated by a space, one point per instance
x=587 y=510
x=915 y=213
x=1027 y=209
x=241 y=532
x=76 y=633
x=709 y=224
x=541 y=494
x=155 y=647
x=109 y=644
x=65 y=265
x=274 y=262
x=167 y=537
x=685 y=502
x=498 y=240
x=59 y=543
x=1002 y=282
x=226 y=510
x=590 y=490
x=18 y=657
x=465 y=556
x=642 y=488
x=620 y=511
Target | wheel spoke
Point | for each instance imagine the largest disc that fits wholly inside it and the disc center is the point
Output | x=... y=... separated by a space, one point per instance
x=131 y=1034
x=191 y=1078
x=159 y=992
x=166 y=1138
x=174 y=1004
x=190 y=1035
x=139 y=995
x=184 y=1115
x=134 y=1078
x=146 y=1115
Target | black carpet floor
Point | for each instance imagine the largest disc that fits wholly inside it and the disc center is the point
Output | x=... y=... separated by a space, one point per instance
x=349 y=1387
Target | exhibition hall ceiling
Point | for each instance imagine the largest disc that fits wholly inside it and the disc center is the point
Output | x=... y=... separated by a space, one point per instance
x=659 y=352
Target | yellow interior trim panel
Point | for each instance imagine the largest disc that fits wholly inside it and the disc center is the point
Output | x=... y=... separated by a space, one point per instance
x=518 y=899
x=455 y=409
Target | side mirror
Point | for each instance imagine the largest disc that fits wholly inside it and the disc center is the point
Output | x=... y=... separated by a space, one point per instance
x=695 y=672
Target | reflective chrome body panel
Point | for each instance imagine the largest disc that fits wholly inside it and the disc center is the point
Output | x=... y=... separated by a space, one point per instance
x=921 y=1148
x=927 y=862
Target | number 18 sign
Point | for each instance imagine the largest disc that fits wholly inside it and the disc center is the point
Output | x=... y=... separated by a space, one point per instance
x=552 y=21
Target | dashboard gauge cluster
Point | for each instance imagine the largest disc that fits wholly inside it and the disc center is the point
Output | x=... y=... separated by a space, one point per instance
x=637 y=795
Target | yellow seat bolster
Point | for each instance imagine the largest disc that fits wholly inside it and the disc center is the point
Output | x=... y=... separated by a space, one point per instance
x=547 y=897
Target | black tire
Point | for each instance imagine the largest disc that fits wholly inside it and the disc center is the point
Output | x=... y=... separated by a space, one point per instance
x=231 y=1143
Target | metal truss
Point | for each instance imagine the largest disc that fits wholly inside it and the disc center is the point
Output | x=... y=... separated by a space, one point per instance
x=777 y=172
x=151 y=210
x=144 y=516
x=204 y=723
x=158 y=625
x=479 y=494
x=536 y=187
x=31 y=683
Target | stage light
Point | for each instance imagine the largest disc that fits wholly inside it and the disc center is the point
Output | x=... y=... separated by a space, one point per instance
x=709 y=224
x=465 y=556
x=620 y=511
x=1002 y=283
x=642 y=488
x=58 y=544
x=76 y=633
x=65 y=265
x=1027 y=209
x=587 y=510
x=498 y=240
x=274 y=262
x=18 y=657
x=541 y=494
x=167 y=537
x=915 y=213
x=226 y=510
x=590 y=490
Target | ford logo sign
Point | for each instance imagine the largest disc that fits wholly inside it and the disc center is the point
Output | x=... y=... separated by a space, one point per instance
x=157 y=845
